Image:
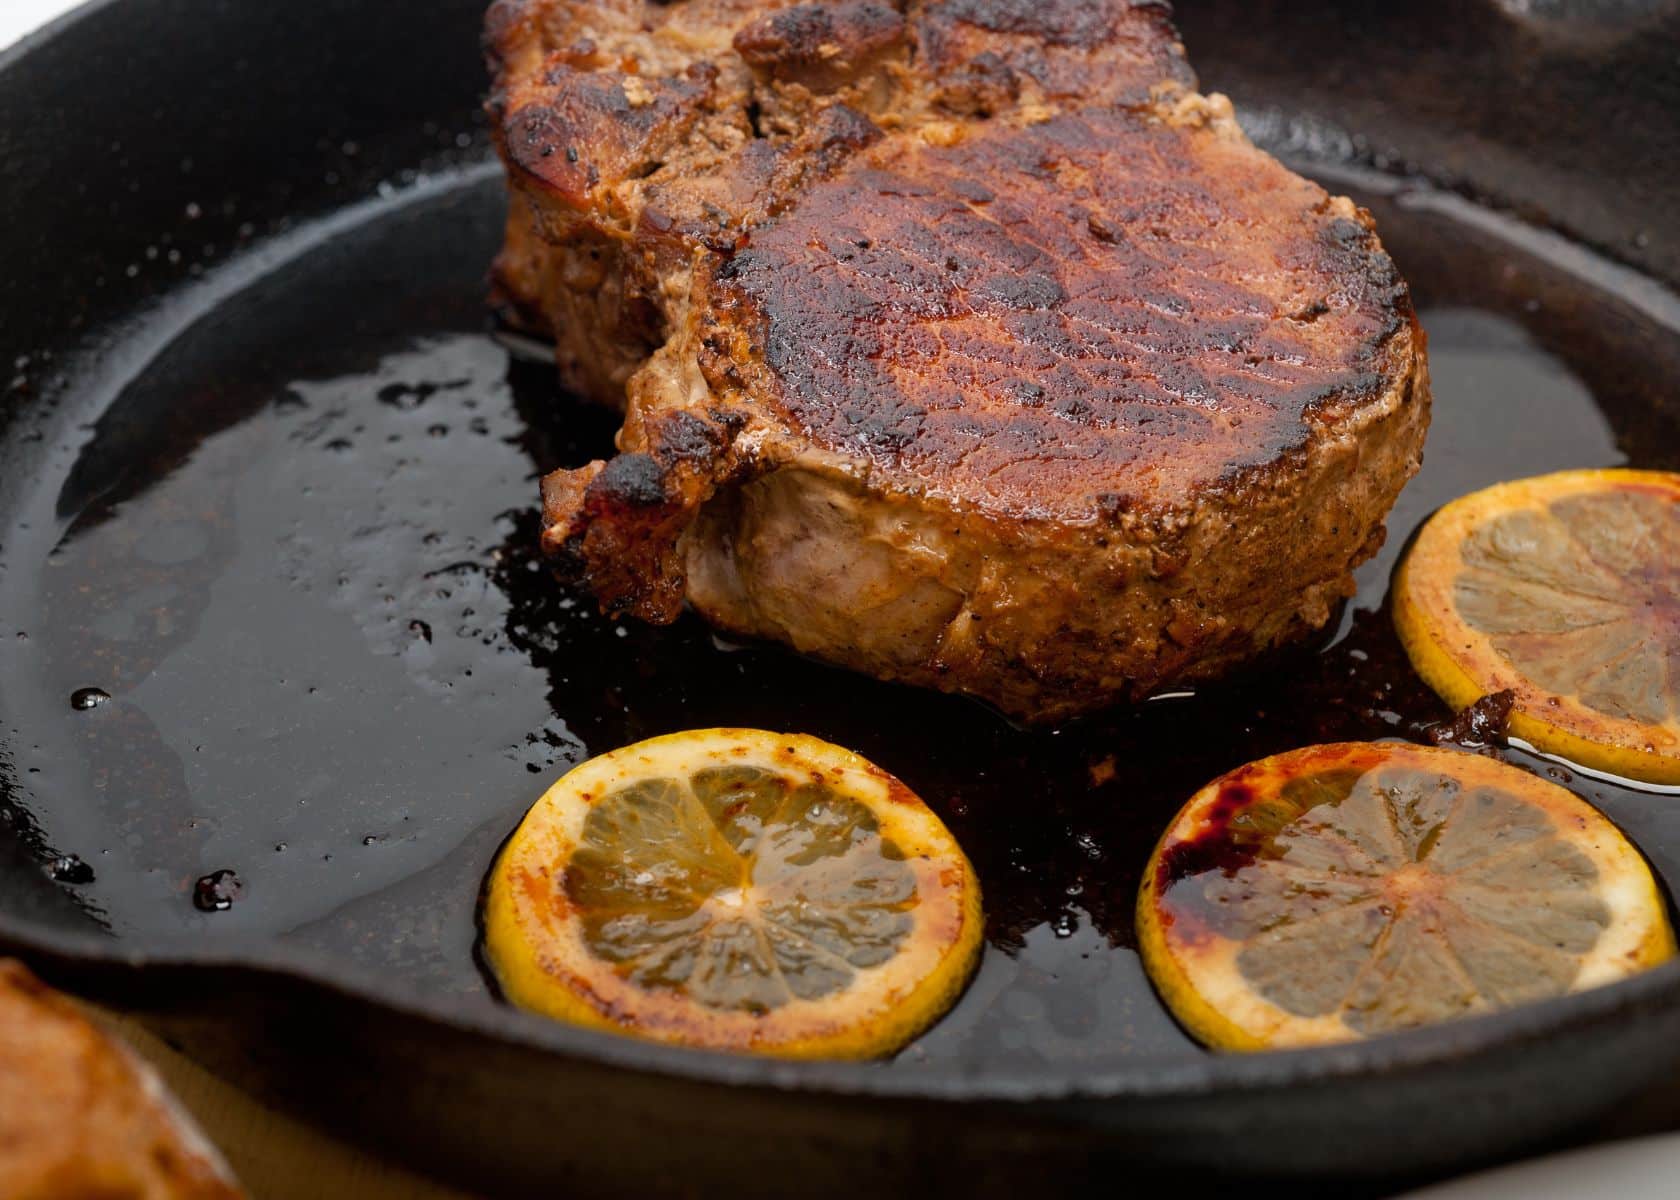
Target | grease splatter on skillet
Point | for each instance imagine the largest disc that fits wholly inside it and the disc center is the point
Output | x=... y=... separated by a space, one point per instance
x=296 y=552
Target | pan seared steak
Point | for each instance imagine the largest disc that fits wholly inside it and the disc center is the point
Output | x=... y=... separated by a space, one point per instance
x=961 y=342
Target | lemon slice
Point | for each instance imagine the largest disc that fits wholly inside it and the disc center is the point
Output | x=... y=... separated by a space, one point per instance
x=737 y=890
x=1341 y=891
x=1564 y=589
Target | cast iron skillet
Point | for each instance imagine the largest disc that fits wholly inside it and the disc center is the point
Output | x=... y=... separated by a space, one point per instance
x=267 y=482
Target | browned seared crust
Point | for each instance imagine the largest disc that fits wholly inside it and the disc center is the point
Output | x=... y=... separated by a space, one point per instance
x=962 y=342
x=77 y=1116
x=1055 y=322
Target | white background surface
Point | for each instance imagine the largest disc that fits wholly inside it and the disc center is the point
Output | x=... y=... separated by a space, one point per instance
x=1639 y=1169
x=1648 y=1169
x=18 y=17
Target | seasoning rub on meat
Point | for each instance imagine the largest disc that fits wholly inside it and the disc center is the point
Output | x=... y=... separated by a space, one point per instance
x=961 y=342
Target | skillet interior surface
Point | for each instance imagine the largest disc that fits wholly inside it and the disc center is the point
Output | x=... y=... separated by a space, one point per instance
x=267 y=483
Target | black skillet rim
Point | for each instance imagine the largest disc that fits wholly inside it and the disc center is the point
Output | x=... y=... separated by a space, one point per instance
x=1451 y=1043
x=1454 y=1042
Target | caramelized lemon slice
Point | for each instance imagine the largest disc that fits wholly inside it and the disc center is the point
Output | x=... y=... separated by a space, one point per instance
x=1342 y=891
x=1564 y=589
x=737 y=890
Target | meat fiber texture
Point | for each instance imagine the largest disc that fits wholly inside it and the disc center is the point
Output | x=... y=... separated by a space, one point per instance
x=960 y=342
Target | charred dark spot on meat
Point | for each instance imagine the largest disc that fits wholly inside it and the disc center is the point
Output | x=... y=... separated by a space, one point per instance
x=617 y=525
x=1083 y=23
x=1092 y=51
x=1326 y=399
x=821 y=45
x=631 y=480
x=1114 y=505
x=614 y=525
x=1102 y=228
x=838 y=133
x=1024 y=291
x=729 y=420
x=583 y=128
x=983 y=86
x=682 y=438
x=1024 y=392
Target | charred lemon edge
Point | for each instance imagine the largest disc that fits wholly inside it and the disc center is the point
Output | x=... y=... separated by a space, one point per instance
x=1426 y=639
x=1172 y=982
x=557 y=978
x=1219 y=1032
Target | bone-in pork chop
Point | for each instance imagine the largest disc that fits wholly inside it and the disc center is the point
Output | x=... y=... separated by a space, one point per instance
x=961 y=342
